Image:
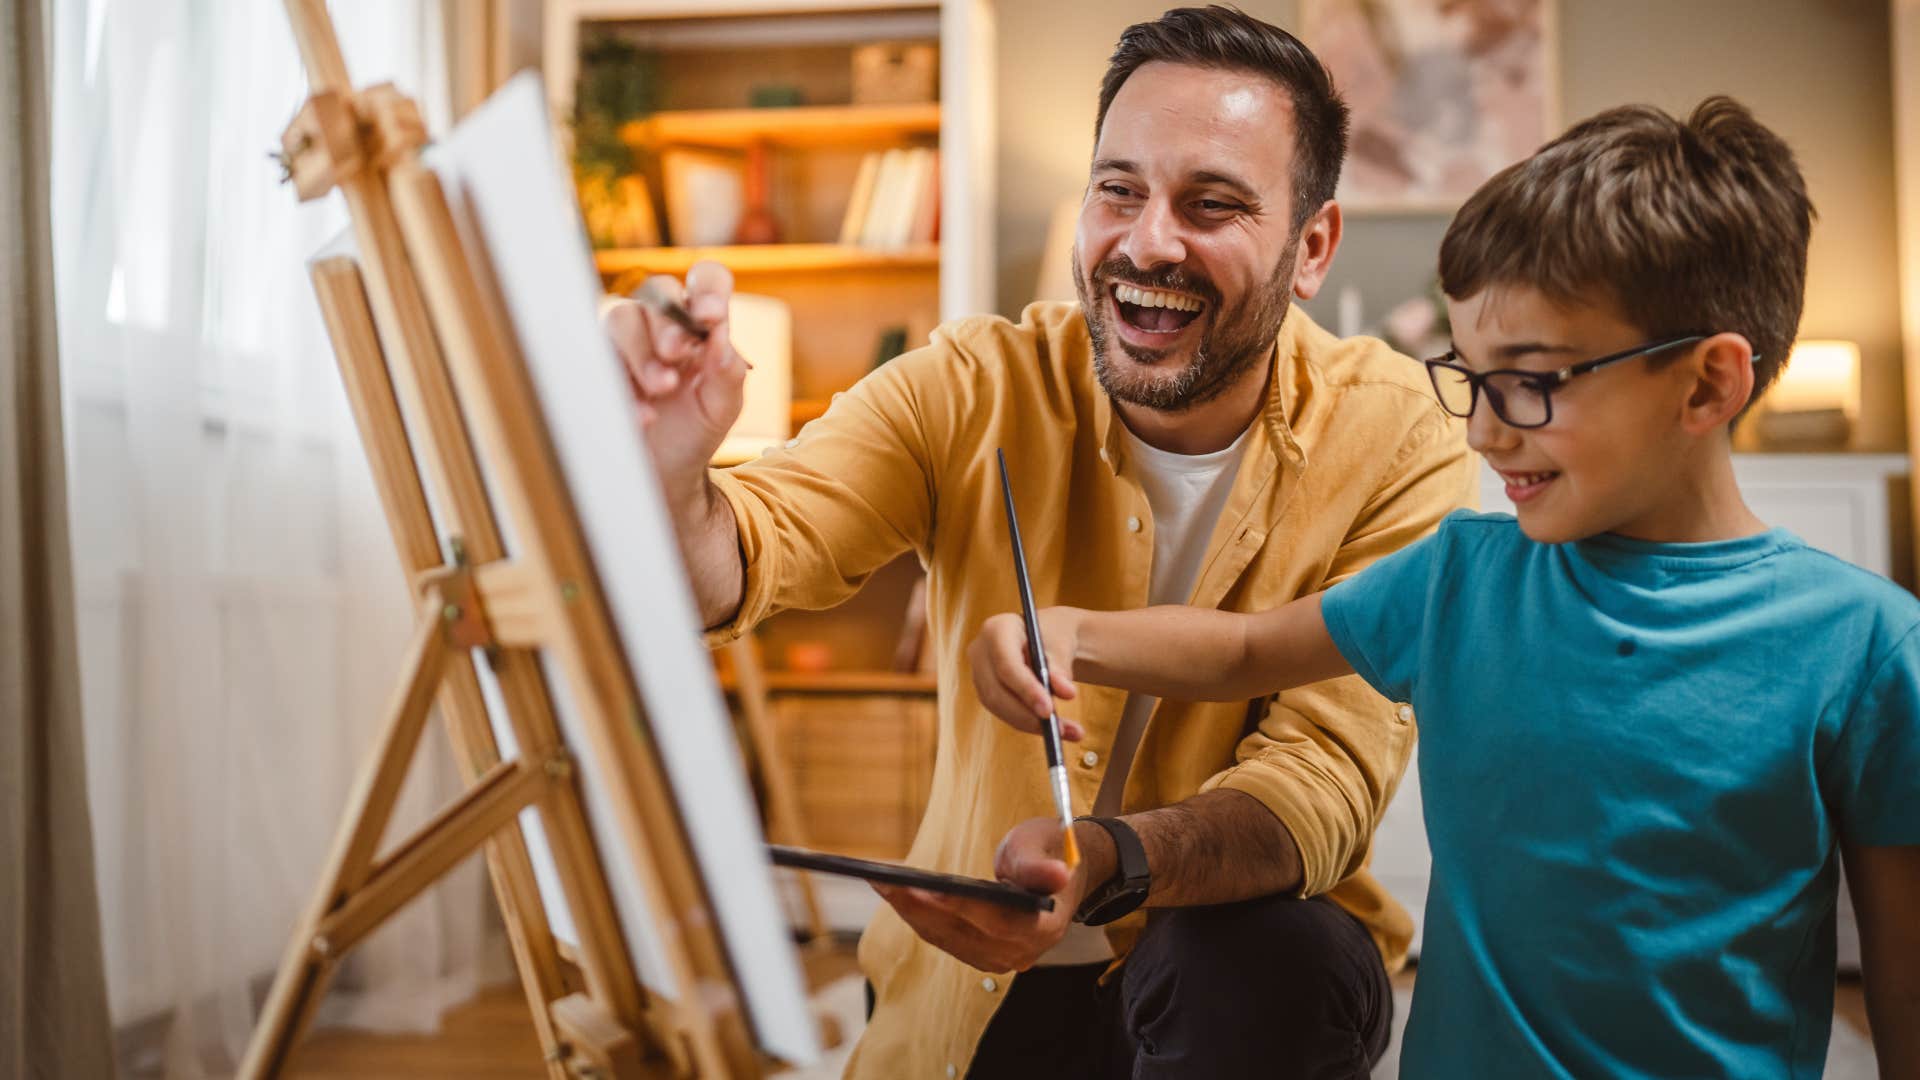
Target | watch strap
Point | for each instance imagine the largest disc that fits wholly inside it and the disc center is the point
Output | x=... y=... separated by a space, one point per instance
x=1127 y=889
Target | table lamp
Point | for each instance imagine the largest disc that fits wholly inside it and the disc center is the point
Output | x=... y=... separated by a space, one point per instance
x=1816 y=399
x=1056 y=257
x=762 y=329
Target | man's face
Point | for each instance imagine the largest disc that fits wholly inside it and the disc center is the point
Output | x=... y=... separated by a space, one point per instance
x=1609 y=458
x=1185 y=253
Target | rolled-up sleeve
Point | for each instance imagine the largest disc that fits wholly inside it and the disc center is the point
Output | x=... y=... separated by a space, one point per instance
x=853 y=491
x=1327 y=758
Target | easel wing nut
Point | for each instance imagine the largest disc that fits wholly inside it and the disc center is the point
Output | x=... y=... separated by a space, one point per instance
x=321 y=147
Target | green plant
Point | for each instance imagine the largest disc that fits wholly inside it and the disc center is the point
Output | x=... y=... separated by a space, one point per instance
x=618 y=83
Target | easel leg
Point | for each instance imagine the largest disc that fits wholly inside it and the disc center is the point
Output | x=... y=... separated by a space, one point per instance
x=309 y=959
x=783 y=805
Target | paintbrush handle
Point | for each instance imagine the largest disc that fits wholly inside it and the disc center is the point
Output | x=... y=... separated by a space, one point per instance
x=1036 y=650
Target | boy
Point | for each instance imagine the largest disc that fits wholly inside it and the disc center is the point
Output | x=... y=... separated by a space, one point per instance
x=1643 y=712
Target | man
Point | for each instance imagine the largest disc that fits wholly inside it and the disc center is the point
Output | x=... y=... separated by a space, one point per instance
x=1179 y=435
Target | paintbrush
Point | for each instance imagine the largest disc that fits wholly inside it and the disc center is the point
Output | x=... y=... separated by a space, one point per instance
x=1037 y=659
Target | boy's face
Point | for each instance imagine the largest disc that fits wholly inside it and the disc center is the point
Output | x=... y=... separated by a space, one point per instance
x=1614 y=456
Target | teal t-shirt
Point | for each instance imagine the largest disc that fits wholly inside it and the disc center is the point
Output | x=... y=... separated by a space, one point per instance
x=1636 y=761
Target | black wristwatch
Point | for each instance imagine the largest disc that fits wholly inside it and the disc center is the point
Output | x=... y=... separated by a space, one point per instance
x=1127 y=889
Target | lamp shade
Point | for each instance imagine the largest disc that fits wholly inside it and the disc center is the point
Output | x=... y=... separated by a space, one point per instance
x=762 y=330
x=1056 y=259
x=1819 y=376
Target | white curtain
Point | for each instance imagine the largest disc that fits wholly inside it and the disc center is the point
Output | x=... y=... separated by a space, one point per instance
x=241 y=605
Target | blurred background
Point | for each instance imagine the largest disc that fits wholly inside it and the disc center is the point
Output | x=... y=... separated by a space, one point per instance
x=867 y=169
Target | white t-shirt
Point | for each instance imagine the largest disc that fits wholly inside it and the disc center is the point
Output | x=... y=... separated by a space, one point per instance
x=1185 y=493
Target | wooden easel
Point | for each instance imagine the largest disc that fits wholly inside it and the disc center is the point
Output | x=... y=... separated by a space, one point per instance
x=415 y=339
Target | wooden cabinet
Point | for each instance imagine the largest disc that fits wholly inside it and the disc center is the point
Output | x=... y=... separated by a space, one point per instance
x=861 y=759
x=858 y=751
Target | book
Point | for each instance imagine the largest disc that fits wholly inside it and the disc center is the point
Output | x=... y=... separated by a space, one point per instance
x=926 y=215
x=899 y=228
x=861 y=199
x=888 y=191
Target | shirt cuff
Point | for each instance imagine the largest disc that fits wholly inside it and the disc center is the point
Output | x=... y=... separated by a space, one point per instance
x=1304 y=817
x=755 y=554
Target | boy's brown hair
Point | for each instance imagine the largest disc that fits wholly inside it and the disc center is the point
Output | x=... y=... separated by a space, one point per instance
x=1698 y=227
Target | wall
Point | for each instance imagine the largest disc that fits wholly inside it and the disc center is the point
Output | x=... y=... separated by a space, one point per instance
x=1817 y=71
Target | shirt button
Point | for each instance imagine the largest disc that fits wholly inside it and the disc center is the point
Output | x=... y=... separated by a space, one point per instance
x=952 y=1070
x=1405 y=712
x=1133 y=524
x=989 y=985
x=1104 y=456
x=1089 y=759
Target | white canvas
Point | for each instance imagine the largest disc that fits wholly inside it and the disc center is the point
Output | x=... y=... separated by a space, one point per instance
x=517 y=211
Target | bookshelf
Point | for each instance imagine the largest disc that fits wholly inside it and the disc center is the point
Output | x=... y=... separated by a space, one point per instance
x=708 y=61
x=748 y=30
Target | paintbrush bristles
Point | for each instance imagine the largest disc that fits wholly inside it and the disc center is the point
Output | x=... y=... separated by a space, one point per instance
x=1073 y=850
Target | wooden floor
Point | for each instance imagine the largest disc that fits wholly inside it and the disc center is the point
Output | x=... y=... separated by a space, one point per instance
x=489 y=1037
x=492 y=1035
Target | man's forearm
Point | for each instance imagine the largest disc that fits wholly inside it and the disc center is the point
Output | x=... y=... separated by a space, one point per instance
x=710 y=546
x=1215 y=848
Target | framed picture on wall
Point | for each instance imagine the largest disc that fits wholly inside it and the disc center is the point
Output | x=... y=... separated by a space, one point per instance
x=1444 y=93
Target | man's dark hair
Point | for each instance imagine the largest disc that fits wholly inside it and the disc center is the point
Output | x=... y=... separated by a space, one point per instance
x=1223 y=37
x=1695 y=227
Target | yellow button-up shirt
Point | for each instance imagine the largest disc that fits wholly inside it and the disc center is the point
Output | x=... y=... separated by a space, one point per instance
x=1350 y=459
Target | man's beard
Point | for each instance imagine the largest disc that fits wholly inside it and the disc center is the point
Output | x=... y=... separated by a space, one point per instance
x=1232 y=342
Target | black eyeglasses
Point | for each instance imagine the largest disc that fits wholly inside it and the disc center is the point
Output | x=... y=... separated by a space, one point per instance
x=1523 y=399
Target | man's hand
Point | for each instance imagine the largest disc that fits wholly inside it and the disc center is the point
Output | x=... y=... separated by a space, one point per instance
x=1003 y=676
x=990 y=937
x=689 y=390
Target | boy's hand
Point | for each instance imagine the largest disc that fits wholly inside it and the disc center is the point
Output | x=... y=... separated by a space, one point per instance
x=1005 y=680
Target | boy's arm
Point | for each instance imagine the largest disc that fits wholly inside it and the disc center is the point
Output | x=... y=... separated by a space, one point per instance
x=1885 y=882
x=1198 y=654
x=1183 y=653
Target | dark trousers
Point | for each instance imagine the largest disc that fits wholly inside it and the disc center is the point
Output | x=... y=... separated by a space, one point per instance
x=1271 y=988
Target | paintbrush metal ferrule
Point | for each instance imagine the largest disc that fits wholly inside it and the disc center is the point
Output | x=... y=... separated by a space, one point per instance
x=1061 y=796
x=652 y=296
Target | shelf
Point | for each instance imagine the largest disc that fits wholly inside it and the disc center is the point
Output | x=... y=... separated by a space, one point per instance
x=846 y=682
x=767 y=258
x=799 y=126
